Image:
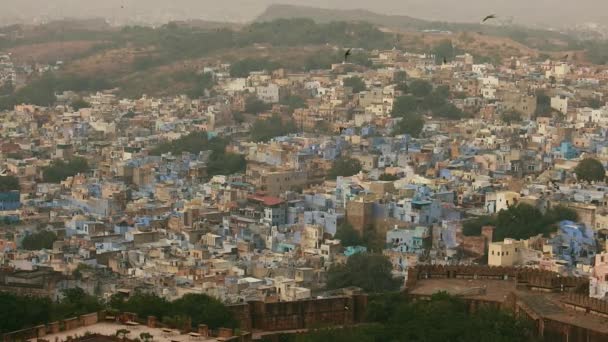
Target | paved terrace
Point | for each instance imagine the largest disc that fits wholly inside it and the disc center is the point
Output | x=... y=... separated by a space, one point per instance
x=544 y=304
x=110 y=328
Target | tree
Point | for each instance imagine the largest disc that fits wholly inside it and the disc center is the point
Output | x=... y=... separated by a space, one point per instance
x=420 y=88
x=203 y=309
x=347 y=235
x=511 y=116
x=448 y=111
x=404 y=105
x=245 y=66
x=253 y=105
x=75 y=302
x=199 y=83
x=590 y=170
x=226 y=164
x=194 y=142
x=9 y=183
x=442 y=92
x=523 y=221
x=122 y=334
x=344 y=167
x=266 y=129
x=370 y=272
x=19 y=312
x=40 y=240
x=386 y=177
x=199 y=307
x=146 y=337
x=400 y=76
x=142 y=304
x=543 y=104
x=356 y=83
x=78 y=104
x=560 y=213
x=7 y=88
x=59 y=170
x=410 y=124
x=293 y=102
x=447 y=318
x=595 y=103
x=444 y=50
x=472 y=227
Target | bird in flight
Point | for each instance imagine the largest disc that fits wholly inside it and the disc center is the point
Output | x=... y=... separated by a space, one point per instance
x=491 y=16
x=346 y=54
x=566 y=56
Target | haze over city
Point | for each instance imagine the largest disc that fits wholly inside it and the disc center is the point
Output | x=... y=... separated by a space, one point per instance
x=548 y=13
x=311 y=171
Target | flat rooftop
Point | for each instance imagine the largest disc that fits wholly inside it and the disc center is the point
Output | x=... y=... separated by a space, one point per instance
x=493 y=290
x=547 y=305
x=110 y=328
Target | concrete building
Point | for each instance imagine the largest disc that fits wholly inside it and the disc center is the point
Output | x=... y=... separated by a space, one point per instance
x=512 y=252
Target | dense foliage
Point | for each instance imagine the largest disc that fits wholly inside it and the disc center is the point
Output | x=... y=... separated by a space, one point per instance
x=194 y=142
x=412 y=122
x=59 y=169
x=78 y=104
x=243 y=67
x=348 y=236
x=442 y=318
x=253 y=105
x=345 y=167
x=220 y=162
x=197 y=83
x=266 y=129
x=42 y=90
x=445 y=50
x=590 y=170
x=370 y=272
x=199 y=307
x=520 y=222
x=387 y=177
x=39 y=240
x=20 y=312
x=422 y=99
x=8 y=183
x=356 y=83
x=543 y=104
x=511 y=116
x=293 y=102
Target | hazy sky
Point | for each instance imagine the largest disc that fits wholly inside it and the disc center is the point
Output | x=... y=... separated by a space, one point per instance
x=540 y=12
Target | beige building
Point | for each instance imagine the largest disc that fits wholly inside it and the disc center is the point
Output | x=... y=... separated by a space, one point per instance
x=512 y=252
x=500 y=200
x=274 y=181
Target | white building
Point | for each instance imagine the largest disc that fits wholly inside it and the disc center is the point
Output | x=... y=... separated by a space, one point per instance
x=269 y=94
x=560 y=103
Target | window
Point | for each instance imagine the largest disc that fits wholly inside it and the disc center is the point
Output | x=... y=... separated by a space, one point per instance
x=492 y=252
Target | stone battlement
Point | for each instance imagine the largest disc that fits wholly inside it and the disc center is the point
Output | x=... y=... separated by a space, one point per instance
x=530 y=278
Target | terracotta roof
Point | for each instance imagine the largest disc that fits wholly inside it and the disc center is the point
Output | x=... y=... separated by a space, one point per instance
x=267 y=200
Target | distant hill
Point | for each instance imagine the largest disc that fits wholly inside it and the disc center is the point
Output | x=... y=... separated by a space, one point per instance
x=534 y=38
x=324 y=15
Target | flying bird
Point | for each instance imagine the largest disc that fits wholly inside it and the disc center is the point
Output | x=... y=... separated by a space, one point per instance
x=566 y=56
x=346 y=54
x=491 y=16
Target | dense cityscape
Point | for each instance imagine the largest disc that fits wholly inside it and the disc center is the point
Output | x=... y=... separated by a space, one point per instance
x=358 y=191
